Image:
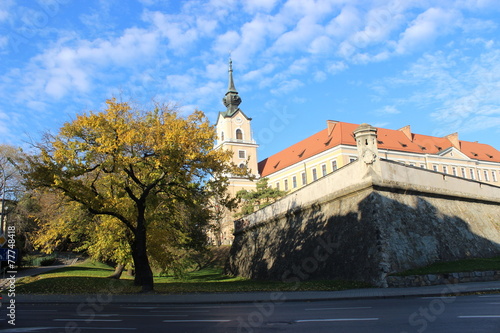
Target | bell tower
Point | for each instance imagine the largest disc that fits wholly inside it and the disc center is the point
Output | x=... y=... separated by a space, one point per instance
x=234 y=133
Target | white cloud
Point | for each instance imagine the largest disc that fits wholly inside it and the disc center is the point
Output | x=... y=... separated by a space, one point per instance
x=287 y=86
x=252 y=6
x=336 y=67
x=4 y=41
x=254 y=36
x=226 y=42
x=299 y=66
x=388 y=110
x=62 y=69
x=321 y=44
x=344 y=24
x=320 y=76
x=426 y=28
x=461 y=91
x=299 y=38
x=472 y=25
x=5 y=10
x=260 y=73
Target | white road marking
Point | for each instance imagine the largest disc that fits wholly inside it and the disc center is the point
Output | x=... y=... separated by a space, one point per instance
x=25 y=310
x=37 y=329
x=198 y=321
x=481 y=316
x=158 y=315
x=333 y=319
x=352 y=308
x=181 y=311
x=101 y=320
x=191 y=307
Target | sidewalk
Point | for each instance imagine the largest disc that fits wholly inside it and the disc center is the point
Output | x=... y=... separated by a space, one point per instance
x=201 y=298
x=32 y=272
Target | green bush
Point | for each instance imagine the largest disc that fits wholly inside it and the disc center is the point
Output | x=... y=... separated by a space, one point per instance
x=47 y=261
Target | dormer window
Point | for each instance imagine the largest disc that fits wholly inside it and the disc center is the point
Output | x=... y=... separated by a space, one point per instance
x=239 y=134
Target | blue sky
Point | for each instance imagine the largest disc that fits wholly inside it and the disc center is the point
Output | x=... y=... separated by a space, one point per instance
x=434 y=65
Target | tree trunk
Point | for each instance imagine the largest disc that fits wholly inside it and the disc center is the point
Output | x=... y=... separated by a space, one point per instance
x=118 y=272
x=143 y=272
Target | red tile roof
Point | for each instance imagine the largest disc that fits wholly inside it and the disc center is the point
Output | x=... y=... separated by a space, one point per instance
x=340 y=133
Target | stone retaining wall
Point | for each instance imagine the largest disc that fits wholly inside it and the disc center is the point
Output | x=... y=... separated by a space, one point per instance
x=437 y=279
x=365 y=222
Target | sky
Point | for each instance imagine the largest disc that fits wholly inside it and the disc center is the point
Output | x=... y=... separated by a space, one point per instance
x=434 y=65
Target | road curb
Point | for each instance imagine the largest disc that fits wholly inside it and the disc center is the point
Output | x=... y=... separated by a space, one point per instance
x=276 y=296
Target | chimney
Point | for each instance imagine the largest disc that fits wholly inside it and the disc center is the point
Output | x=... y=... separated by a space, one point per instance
x=454 y=140
x=407 y=131
x=331 y=125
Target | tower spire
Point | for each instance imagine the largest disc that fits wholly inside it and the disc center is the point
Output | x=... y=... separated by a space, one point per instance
x=231 y=100
x=230 y=87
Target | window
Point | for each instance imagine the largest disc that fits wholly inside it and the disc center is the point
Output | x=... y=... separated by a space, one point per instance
x=323 y=169
x=286 y=184
x=486 y=176
x=412 y=164
x=239 y=134
x=435 y=167
x=454 y=171
x=315 y=174
x=242 y=166
x=294 y=181
x=304 y=178
x=494 y=175
x=334 y=165
x=445 y=169
x=278 y=185
x=422 y=166
x=221 y=136
x=478 y=175
x=352 y=159
x=463 y=172
x=242 y=154
x=472 y=176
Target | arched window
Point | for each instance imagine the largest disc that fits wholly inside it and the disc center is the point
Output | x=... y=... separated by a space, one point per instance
x=239 y=134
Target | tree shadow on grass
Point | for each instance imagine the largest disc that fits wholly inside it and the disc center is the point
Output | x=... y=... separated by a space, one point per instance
x=75 y=285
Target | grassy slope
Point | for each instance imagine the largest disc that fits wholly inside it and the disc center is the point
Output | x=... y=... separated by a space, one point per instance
x=466 y=265
x=90 y=277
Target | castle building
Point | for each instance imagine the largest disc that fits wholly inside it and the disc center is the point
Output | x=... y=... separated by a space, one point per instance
x=335 y=146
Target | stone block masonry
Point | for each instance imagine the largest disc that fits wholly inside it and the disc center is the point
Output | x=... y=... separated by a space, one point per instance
x=365 y=221
x=436 y=279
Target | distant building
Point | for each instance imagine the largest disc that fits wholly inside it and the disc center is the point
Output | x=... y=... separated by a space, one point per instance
x=335 y=146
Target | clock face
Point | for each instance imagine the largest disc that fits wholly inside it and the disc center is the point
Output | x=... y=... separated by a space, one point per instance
x=238 y=120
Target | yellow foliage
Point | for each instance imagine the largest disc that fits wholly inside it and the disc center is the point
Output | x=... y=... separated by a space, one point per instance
x=133 y=168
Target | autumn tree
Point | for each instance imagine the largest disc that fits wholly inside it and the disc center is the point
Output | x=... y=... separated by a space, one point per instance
x=137 y=168
x=262 y=196
x=57 y=223
x=10 y=181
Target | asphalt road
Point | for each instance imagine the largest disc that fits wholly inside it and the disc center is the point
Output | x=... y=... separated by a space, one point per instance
x=423 y=314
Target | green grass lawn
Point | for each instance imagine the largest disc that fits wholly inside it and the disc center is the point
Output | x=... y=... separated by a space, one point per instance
x=90 y=277
x=465 y=265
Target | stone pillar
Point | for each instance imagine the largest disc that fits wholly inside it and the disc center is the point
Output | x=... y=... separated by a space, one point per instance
x=366 y=141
